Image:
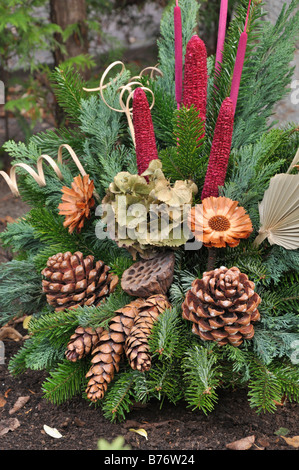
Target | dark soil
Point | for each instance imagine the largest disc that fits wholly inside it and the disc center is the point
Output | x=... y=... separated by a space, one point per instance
x=170 y=428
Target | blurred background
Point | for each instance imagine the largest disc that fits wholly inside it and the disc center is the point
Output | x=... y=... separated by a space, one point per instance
x=38 y=35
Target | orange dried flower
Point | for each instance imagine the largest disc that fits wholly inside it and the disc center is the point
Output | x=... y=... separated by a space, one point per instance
x=219 y=222
x=77 y=202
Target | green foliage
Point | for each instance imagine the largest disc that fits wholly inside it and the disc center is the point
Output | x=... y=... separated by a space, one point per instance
x=66 y=381
x=201 y=377
x=20 y=290
x=189 y=11
x=183 y=366
x=271 y=57
x=68 y=87
x=117 y=444
x=183 y=161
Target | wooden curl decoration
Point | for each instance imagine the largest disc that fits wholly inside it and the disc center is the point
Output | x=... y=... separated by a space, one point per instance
x=39 y=176
x=133 y=82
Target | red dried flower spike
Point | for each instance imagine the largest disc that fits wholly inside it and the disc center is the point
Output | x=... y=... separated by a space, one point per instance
x=220 y=150
x=196 y=76
x=145 y=140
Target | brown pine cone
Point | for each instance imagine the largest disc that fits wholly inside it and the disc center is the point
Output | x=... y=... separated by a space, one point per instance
x=136 y=346
x=222 y=306
x=72 y=281
x=82 y=342
x=109 y=350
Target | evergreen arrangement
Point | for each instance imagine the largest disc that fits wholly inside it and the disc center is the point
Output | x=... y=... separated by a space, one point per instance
x=120 y=318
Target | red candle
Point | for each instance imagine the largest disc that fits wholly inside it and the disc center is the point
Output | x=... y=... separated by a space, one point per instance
x=221 y=33
x=239 y=63
x=178 y=44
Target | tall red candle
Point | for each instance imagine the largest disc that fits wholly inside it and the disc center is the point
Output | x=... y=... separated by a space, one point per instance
x=178 y=45
x=239 y=64
x=221 y=33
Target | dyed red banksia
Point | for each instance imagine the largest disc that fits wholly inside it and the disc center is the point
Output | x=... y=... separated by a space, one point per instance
x=145 y=141
x=196 y=76
x=220 y=150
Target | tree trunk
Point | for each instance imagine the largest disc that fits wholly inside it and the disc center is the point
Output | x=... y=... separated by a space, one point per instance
x=67 y=13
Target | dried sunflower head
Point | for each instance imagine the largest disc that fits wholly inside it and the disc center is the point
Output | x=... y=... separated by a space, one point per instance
x=219 y=222
x=77 y=202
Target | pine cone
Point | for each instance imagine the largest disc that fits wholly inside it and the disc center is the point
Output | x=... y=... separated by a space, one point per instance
x=82 y=342
x=149 y=277
x=77 y=202
x=222 y=306
x=136 y=346
x=72 y=281
x=109 y=351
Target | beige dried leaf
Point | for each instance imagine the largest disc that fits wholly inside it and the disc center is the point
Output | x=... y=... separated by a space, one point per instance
x=9 y=424
x=292 y=441
x=279 y=212
x=141 y=432
x=241 y=444
x=21 y=401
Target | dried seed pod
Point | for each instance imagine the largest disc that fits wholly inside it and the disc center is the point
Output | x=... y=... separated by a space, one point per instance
x=148 y=277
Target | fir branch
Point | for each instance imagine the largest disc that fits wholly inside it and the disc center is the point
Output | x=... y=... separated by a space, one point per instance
x=19 y=236
x=184 y=161
x=20 y=290
x=169 y=338
x=119 y=397
x=264 y=387
x=68 y=85
x=66 y=381
x=271 y=57
x=202 y=377
x=165 y=380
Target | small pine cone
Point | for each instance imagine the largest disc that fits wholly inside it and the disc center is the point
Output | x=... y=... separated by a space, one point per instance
x=82 y=342
x=109 y=350
x=222 y=306
x=72 y=281
x=136 y=346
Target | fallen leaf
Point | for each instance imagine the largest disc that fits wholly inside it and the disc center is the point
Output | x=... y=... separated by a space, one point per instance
x=21 y=401
x=10 y=333
x=53 y=432
x=26 y=321
x=141 y=432
x=2 y=401
x=282 y=432
x=292 y=441
x=241 y=444
x=7 y=425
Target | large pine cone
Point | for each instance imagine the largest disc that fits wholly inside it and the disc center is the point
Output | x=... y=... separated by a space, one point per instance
x=110 y=350
x=136 y=346
x=222 y=306
x=72 y=280
x=82 y=342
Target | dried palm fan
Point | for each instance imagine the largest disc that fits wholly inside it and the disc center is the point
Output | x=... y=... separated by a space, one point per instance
x=279 y=210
